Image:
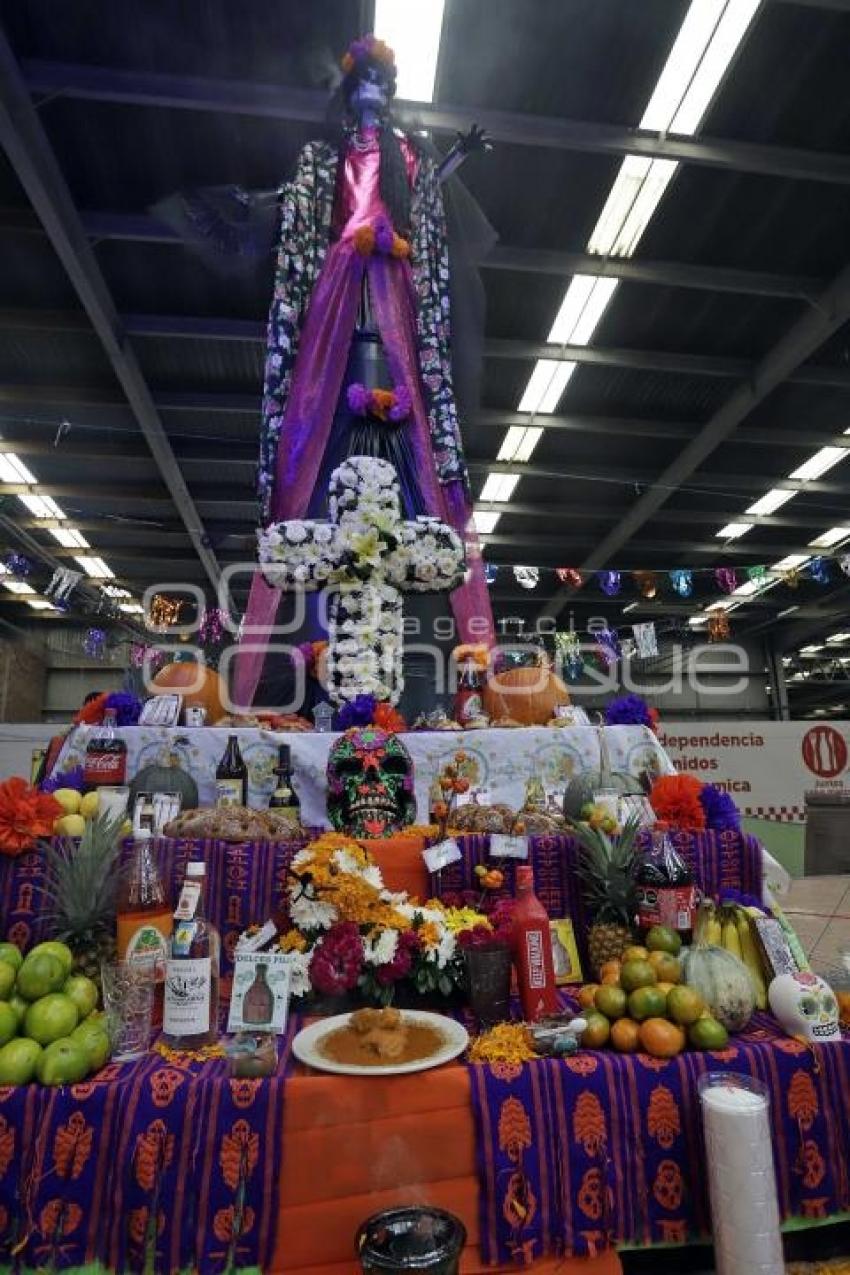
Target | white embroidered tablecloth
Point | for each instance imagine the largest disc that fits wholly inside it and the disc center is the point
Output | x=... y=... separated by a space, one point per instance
x=503 y=760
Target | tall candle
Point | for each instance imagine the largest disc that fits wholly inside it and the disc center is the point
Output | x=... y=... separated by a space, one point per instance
x=741 y=1179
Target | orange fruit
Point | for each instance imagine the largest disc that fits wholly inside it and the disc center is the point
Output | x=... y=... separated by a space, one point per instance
x=610 y=972
x=625 y=1035
x=586 y=995
x=610 y=1001
x=843 y=999
x=635 y=953
x=666 y=967
x=684 y=1005
x=635 y=974
x=661 y=1039
x=665 y=987
x=595 y=1035
x=647 y=1002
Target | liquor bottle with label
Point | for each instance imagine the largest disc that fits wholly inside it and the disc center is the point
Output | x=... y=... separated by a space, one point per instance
x=532 y=950
x=106 y=755
x=190 y=1017
x=666 y=893
x=144 y=920
x=231 y=776
x=284 y=796
x=258 y=1004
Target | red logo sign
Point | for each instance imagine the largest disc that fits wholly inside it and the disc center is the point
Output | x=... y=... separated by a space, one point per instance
x=824 y=751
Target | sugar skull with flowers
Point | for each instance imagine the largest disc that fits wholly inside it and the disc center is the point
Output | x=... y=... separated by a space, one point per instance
x=805 y=1006
x=370 y=783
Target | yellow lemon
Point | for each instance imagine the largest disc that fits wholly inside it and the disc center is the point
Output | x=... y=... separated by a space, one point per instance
x=69 y=799
x=90 y=805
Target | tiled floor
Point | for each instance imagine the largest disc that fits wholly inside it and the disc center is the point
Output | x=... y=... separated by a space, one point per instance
x=819 y=910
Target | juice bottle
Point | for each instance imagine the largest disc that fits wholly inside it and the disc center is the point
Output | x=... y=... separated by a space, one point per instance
x=144 y=919
x=532 y=950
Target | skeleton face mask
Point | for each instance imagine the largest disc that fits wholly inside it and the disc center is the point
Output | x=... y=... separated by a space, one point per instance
x=370 y=783
x=805 y=1006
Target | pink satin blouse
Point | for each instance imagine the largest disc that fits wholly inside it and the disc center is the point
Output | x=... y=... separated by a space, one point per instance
x=360 y=195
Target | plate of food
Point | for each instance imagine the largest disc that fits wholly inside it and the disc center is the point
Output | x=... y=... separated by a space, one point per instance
x=385 y=1042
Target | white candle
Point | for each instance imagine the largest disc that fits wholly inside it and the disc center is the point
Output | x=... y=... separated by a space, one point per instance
x=741 y=1179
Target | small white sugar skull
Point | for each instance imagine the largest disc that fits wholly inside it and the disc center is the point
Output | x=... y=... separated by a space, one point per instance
x=805 y=1006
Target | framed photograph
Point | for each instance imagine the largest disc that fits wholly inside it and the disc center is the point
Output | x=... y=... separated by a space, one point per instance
x=161 y=710
x=259 y=1000
x=565 y=953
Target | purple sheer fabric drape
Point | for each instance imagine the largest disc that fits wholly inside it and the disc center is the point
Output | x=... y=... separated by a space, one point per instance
x=316 y=385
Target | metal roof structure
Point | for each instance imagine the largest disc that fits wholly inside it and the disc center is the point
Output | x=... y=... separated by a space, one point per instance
x=130 y=373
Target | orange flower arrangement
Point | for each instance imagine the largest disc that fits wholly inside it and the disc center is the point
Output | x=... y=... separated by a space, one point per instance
x=388 y=718
x=382 y=401
x=400 y=248
x=675 y=800
x=364 y=240
x=25 y=815
x=91 y=714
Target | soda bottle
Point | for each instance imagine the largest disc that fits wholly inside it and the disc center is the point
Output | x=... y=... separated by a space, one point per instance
x=106 y=755
x=190 y=1017
x=231 y=776
x=532 y=950
x=665 y=889
x=144 y=920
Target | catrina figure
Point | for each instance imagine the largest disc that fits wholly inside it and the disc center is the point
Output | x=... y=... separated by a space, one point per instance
x=363 y=255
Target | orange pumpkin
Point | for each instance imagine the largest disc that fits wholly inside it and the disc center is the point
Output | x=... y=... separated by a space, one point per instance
x=528 y=695
x=197 y=683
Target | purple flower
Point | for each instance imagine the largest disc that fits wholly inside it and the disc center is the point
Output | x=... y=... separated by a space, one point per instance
x=721 y=813
x=65 y=779
x=383 y=234
x=128 y=707
x=403 y=404
x=358 y=712
x=629 y=710
x=357 y=397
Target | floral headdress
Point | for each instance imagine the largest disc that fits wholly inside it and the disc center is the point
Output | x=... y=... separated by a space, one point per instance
x=368 y=49
x=384 y=405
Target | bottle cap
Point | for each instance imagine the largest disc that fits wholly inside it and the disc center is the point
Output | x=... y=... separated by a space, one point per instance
x=196 y=869
x=524 y=877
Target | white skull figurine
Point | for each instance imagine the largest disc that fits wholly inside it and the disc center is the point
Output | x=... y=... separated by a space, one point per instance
x=805 y=1006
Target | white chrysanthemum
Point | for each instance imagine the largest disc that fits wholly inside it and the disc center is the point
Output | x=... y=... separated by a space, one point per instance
x=323 y=534
x=295 y=532
x=372 y=876
x=446 y=948
x=299 y=976
x=311 y=914
x=380 y=951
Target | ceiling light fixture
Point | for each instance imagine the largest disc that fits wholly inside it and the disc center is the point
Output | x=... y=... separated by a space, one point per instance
x=13 y=470
x=818 y=464
x=733 y=530
x=413 y=33
x=839 y=637
x=18 y=586
x=771 y=501
x=499 y=487
x=40 y=604
x=69 y=537
x=485 y=521
x=519 y=442
x=95 y=567
x=829 y=538
x=41 y=506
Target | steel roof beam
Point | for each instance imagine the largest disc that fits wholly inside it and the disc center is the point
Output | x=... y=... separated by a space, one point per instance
x=571 y=513
x=801 y=340
x=29 y=152
x=559 y=546
x=275 y=101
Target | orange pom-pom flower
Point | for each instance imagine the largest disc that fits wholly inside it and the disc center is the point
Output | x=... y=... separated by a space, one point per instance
x=364 y=240
x=675 y=799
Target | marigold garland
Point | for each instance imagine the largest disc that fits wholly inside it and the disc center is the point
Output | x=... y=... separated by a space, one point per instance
x=506 y=1042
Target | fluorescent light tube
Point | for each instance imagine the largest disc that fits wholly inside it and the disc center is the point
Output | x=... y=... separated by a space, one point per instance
x=546 y=385
x=733 y=530
x=519 y=442
x=722 y=47
x=829 y=538
x=412 y=30
x=40 y=604
x=70 y=537
x=792 y=561
x=485 y=521
x=13 y=469
x=499 y=486
x=584 y=304
x=839 y=637
x=771 y=501
x=819 y=463
x=94 y=567
x=698 y=26
x=18 y=586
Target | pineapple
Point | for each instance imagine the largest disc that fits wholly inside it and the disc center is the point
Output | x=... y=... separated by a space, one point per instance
x=80 y=892
x=606 y=868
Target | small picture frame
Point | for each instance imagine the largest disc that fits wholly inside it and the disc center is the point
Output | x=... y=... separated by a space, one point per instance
x=161 y=710
x=259 y=999
x=565 y=957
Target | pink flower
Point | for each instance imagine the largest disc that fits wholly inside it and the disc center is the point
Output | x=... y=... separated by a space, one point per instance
x=337 y=960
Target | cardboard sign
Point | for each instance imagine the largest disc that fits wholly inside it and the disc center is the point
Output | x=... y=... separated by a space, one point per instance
x=503 y=846
x=441 y=855
x=259 y=1001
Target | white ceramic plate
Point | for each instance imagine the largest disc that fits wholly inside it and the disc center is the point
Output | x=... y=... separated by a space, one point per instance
x=455 y=1041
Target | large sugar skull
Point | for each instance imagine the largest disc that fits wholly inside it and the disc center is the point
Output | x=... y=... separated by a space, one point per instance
x=370 y=783
x=805 y=1006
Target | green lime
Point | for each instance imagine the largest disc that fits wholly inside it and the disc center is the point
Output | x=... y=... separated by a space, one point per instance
x=662 y=939
x=8 y=974
x=40 y=974
x=635 y=974
x=11 y=955
x=8 y=1022
x=707 y=1033
x=19 y=1005
x=610 y=1001
x=83 y=992
x=51 y=1018
x=18 y=1060
x=61 y=951
x=63 y=1062
x=95 y=1041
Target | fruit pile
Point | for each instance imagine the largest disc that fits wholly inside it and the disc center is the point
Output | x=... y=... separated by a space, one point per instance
x=50 y=1029
x=79 y=809
x=598 y=816
x=642 y=1004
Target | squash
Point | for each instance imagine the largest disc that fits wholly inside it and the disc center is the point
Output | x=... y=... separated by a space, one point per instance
x=198 y=684
x=529 y=695
x=583 y=788
x=722 y=980
x=166 y=776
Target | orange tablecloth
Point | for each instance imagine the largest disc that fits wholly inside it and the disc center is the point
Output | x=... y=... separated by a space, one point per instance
x=355 y=1145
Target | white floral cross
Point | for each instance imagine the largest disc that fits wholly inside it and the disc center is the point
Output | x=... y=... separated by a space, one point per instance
x=367 y=553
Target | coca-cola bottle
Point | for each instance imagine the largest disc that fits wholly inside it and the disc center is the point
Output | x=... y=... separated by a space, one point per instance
x=532 y=950
x=665 y=889
x=106 y=755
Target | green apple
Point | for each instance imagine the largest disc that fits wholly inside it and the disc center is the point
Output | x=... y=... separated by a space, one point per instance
x=12 y=955
x=51 y=1018
x=18 y=1061
x=40 y=974
x=63 y=1062
x=95 y=1041
x=8 y=1023
x=61 y=951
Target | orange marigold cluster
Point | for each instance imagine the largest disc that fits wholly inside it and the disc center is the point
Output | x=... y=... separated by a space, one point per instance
x=675 y=800
x=25 y=815
x=506 y=1042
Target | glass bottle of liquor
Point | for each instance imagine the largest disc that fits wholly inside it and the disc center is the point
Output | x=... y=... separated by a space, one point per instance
x=106 y=755
x=284 y=796
x=144 y=919
x=532 y=949
x=190 y=1017
x=258 y=1004
x=231 y=776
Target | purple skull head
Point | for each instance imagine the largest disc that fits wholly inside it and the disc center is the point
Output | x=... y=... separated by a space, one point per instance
x=370 y=783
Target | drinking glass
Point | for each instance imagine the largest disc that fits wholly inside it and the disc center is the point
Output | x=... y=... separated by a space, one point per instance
x=128 y=1000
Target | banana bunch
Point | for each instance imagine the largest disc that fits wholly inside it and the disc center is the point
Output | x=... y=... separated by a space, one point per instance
x=736 y=935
